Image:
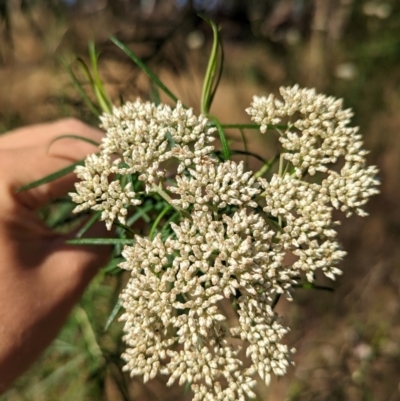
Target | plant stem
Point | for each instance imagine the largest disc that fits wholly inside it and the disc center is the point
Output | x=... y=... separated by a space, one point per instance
x=157 y=220
x=167 y=198
x=266 y=167
x=280 y=171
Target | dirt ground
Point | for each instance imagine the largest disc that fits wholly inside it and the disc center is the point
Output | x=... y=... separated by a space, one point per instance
x=347 y=341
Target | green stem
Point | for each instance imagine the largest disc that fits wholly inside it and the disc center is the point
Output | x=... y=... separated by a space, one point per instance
x=266 y=167
x=158 y=219
x=246 y=159
x=167 y=198
x=162 y=193
x=280 y=171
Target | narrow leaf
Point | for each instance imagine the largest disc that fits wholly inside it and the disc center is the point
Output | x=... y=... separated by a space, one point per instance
x=77 y=85
x=144 y=68
x=98 y=87
x=208 y=92
x=72 y=136
x=99 y=241
x=224 y=143
x=88 y=224
x=112 y=265
x=103 y=103
x=141 y=213
x=113 y=315
x=60 y=214
x=124 y=227
x=155 y=94
x=50 y=177
x=220 y=69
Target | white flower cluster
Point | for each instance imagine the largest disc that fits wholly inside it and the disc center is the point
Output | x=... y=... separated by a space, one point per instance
x=140 y=138
x=314 y=141
x=223 y=184
x=234 y=239
x=95 y=190
x=177 y=287
x=146 y=135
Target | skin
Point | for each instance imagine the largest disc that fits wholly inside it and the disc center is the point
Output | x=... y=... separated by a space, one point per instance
x=41 y=278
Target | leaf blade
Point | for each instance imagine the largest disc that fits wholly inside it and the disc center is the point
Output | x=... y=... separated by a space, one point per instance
x=144 y=68
x=99 y=241
x=50 y=177
x=224 y=143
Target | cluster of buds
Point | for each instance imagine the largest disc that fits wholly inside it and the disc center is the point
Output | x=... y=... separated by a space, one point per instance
x=230 y=245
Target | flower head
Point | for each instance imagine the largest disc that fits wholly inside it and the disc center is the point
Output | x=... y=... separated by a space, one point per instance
x=236 y=240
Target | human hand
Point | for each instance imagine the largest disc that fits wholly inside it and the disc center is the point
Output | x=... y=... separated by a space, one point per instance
x=41 y=278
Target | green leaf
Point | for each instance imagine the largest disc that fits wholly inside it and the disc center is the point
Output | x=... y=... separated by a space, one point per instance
x=99 y=241
x=50 y=177
x=141 y=213
x=112 y=265
x=113 y=315
x=144 y=68
x=78 y=137
x=155 y=94
x=79 y=88
x=170 y=219
x=88 y=224
x=210 y=83
x=224 y=143
x=102 y=100
x=98 y=87
x=124 y=227
x=60 y=213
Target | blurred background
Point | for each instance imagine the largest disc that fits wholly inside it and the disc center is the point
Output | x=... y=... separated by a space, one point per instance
x=348 y=341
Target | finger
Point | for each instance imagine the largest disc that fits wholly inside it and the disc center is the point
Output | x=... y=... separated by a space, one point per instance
x=22 y=166
x=40 y=134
